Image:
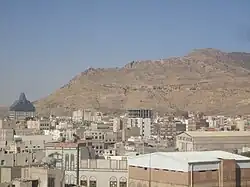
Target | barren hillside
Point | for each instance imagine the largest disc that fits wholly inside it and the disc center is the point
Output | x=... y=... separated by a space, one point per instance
x=206 y=80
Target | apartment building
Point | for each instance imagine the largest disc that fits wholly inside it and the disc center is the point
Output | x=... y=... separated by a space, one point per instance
x=117 y=124
x=67 y=157
x=169 y=129
x=230 y=141
x=77 y=116
x=43 y=176
x=140 y=113
x=182 y=169
x=10 y=159
x=41 y=124
x=33 y=142
x=144 y=124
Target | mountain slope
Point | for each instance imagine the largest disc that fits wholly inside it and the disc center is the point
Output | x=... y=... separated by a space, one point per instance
x=206 y=80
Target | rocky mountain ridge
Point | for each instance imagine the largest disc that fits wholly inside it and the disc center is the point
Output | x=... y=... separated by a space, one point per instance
x=206 y=80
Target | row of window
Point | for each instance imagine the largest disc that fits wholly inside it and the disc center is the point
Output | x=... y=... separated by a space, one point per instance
x=69 y=164
x=112 y=182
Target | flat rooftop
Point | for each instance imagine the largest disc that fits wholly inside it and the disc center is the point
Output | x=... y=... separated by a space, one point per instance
x=217 y=133
x=179 y=161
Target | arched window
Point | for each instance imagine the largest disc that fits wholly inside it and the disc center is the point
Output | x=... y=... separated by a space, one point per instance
x=67 y=162
x=123 y=182
x=92 y=182
x=83 y=181
x=72 y=162
x=113 y=182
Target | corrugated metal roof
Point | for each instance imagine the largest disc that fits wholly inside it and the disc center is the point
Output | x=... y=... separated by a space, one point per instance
x=179 y=161
x=217 y=133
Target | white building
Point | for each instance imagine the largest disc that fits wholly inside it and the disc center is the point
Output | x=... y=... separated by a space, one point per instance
x=41 y=124
x=77 y=116
x=117 y=124
x=54 y=133
x=181 y=161
x=144 y=124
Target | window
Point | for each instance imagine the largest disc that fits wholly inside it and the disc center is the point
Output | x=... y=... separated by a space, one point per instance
x=66 y=161
x=51 y=182
x=2 y=162
x=92 y=182
x=112 y=182
x=72 y=162
x=83 y=181
x=123 y=182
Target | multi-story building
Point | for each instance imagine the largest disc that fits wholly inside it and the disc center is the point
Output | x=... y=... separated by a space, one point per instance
x=87 y=115
x=103 y=173
x=213 y=140
x=31 y=176
x=140 y=113
x=169 y=129
x=182 y=169
x=117 y=124
x=21 y=109
x=34 y=142
x=42 y=176
x=11 y=159
x=68 y=156
x=144 y=124
x=41 y=124
x=77 y=116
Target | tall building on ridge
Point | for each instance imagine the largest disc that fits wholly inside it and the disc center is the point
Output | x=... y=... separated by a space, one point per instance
x=21 y=109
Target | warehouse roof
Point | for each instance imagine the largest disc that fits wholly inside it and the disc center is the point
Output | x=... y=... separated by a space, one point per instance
x=179 y=161
x=217 y=133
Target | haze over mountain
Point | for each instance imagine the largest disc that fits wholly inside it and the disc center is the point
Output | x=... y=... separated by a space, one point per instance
x=206 y=80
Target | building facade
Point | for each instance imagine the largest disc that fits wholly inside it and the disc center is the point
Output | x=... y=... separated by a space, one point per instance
x=21 y=109
x=213 y=140
x=189 y=169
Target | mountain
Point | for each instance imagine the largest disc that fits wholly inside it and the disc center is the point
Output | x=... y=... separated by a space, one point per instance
x=206 y=80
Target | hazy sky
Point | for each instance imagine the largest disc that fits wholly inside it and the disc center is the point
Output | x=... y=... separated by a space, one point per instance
x=44 y=43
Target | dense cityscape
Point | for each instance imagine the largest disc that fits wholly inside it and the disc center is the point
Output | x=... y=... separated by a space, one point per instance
x=124 y=93
x=137 y=149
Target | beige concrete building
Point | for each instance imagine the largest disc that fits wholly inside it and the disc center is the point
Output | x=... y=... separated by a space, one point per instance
x=7 y=174
x=189 y=169
x=103 y=173
x=31 y=177
x=213 y=140
x=41 y=124
x=44 y=176
x=90 y=172
x=20 y=159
